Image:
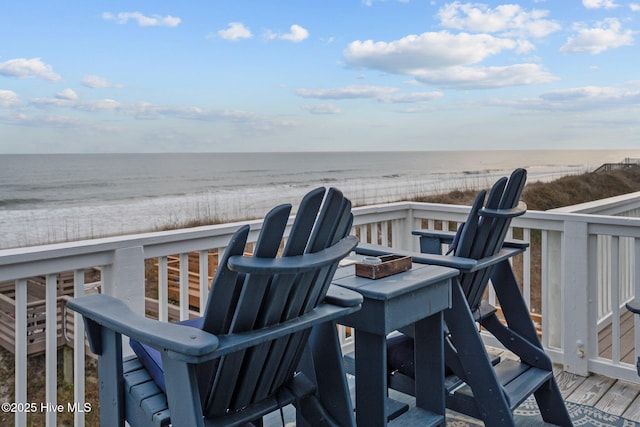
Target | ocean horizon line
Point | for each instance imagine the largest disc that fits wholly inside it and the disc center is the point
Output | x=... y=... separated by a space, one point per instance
x=324 y=151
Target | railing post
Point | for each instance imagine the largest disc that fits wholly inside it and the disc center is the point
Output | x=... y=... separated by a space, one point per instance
x=125 y=278
x=21 y=351
x=204 y=280
x=51 y=344
x=636 y=292
x=575 y=297
x=552 y=288
x=78 y=352
x=405 y=240
x=184 y=286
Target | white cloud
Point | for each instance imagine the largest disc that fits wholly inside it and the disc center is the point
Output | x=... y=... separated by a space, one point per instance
x=445 y=59
x=635 y=7
x=235 y=31
x=599 y=4
x=8 y=98
x=96 y=82
x=349 y=92
x=460 y=77
x=607 y=34
x=579 y=99
x=411 y=98
x=142 y=20
x=99 y=105
x=326 y=108
x=435 y=50
x=582 y=93
x=53 y=121
x=590 y=98
x=504 y=19
x=370 y=2
x=67 y=94
x=380 y=93
x=296 y=35
x=68 y=99
x=23 y=68
x=245 y=121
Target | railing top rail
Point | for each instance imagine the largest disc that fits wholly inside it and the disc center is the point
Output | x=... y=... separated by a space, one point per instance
x=81 y=247
x=609 y=205
x=100 y=251
x=16 y=263
x=150 y=239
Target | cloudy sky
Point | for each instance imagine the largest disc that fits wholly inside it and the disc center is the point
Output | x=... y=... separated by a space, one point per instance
x=318 y=75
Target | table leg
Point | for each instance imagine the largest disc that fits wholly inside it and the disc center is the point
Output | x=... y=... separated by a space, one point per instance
x=429 y=364
x=371 y=379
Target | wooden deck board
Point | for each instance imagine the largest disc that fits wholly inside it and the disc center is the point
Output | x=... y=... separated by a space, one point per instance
x=618 y=398
x=591 y=390
x=568 y=383
x=633 y=411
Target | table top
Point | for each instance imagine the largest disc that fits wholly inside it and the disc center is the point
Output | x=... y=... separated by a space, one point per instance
x=389 y=287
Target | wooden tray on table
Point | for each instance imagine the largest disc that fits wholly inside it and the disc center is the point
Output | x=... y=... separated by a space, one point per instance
x=386 y=266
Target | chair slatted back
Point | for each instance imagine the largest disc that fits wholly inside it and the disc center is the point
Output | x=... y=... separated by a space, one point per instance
x=483 y=233
x=240 y=303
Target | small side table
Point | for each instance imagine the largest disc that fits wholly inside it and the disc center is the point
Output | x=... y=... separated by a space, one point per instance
x=415 y=297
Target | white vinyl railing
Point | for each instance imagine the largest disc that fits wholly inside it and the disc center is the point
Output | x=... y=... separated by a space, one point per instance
x=578 y=273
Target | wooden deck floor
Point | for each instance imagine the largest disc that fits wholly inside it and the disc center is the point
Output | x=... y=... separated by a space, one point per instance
x=614 y=397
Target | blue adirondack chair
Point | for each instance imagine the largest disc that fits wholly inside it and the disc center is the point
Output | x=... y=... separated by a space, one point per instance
x=477 y=385
x=267 y=338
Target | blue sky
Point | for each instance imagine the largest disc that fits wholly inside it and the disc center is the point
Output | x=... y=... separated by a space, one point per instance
x=318 y=75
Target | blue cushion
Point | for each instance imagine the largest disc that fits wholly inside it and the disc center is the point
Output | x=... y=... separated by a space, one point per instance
x=151 y=359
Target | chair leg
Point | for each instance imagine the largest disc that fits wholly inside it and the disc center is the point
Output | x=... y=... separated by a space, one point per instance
x=551 y=406
x=110 y=375
x=182 y=393
x=491 y=403
x=326 y=368
x=513 y=305
x=549 y=398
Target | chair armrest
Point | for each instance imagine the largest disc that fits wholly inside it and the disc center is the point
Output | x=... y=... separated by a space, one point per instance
x=322 y=313
x=191 y=343
x=466 y=264
x=448 y=236
x=634 y=308
x=343 y=297
x=515 y=244
x=443 y=236
x=505 y=213
x=431 y=241
x=293 y=264
x=503 y=255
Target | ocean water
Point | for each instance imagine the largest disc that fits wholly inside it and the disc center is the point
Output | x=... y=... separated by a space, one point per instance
x=52 y=198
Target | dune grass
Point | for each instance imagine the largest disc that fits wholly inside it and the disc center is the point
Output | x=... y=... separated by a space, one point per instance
x=565 y=191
